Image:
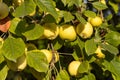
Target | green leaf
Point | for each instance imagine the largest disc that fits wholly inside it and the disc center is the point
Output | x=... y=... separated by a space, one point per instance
x=90 y=46
x=114 y=6
x=17 y=26
x=89 y=76
x=63 y=75
x=80 y=18
x=113 y=67
x=88 y=13
x=4 y=72
x=78 y=3
x=24 y=9
x=33 y=31
x=99 y=5
x=110 y=48
x=13 y=48
x=65 y=2
x=84 y=67
x=49 y=19
x=37 y=60
x=57 y=43
x=67 y=16
x=47 y=6
x=1 y=57
x=113 y=38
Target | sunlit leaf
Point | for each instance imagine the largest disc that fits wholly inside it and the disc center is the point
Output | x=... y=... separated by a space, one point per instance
x=88 y=13
x=25 y=9
x=4 y=72
x=99 y=5
x=47 y=6
x=33 y=31
x=37 y=60
x=90 y=46
x=13 y=48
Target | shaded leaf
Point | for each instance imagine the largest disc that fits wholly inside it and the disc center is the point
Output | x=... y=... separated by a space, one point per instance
x=110 y=48
x=80 y=18
x=68 y=16
x=17 y=26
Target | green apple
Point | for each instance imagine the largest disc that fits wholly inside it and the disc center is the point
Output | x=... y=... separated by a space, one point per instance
x=67 y=32
x=4 y=10
x=73 y=68
x=84 y=30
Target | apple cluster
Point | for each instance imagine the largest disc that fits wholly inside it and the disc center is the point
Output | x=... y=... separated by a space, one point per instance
x=70 y=32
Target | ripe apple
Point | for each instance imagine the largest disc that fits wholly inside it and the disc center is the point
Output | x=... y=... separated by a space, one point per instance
x=19 y=65
x=51 y=31
x=4 y=10
x=103 y=1
x=73 y=67
x=84 y=30
x=99 y=53
x=48 y=54
x=67 y=32
x=96 y=21
x=17 y=2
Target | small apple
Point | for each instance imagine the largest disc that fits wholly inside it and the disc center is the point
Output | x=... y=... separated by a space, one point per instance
x=99 y=53
x=1 y=42
x=96 y=21
x=84 y=30
x=19 y=65
x=67 y=32
x=48 y=54
x=103 y=1
x=73 y=68
x=4 y=10
x=51 y=31
x=17 y=2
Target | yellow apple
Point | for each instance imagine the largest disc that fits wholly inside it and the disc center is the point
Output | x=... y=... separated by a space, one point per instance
x=32 y=14
x=51 y=31
x=99 y=53
x=48 y=54
x=19 y=65
x=1 y=42
x=73 y=67
x=17 y=2
x=84 y=30
x=67 y=32
x=96 y=21
x=103 y=1
x=4 y=10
